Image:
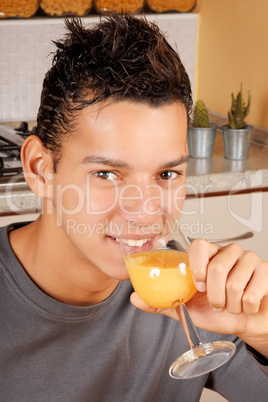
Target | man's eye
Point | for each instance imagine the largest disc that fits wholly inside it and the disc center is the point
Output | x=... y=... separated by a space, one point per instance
x=106 y=175
x=168 y=175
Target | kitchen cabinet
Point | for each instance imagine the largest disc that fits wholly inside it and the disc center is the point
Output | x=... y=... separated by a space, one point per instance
x=223 y=217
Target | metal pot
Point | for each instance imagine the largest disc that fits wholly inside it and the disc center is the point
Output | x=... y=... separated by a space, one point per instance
x=201 y=141
x=236 y=142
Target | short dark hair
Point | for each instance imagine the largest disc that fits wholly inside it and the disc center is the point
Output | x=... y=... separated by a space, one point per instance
x=121 y=58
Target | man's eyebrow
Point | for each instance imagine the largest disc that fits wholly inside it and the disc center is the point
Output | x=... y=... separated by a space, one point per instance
x=103 y=160
x=116 y=163
x=176 y=162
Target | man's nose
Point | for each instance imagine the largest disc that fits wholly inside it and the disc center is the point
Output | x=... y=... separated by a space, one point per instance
x=137 y=199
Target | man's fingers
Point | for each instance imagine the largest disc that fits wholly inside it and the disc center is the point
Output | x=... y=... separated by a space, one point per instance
x=231 y=276
x=218 y=271
x=200 y=253
x=139 y=303
x=257 y=288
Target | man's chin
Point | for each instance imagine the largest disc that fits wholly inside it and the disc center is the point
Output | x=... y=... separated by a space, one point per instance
x=122 y=276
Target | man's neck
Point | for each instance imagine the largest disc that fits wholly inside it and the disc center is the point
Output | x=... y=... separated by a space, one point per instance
x=56 y=268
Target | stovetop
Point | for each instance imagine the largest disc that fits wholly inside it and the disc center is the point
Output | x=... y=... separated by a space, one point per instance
x=11 y=140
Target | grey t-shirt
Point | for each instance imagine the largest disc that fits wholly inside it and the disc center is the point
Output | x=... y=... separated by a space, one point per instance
x=51 y=351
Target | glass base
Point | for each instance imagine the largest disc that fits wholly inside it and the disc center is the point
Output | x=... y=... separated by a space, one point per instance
x=202 y=359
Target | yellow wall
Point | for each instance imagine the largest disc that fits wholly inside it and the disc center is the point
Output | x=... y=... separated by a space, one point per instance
x=233 y=48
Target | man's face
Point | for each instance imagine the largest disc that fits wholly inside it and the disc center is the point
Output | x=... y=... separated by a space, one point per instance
x=122 y=162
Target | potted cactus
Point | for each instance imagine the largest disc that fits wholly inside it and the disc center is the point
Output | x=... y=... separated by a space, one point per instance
x=201 y=133
x=236 y=134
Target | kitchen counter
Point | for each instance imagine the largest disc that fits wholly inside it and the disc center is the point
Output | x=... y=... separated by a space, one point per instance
x=213 y=176
x=218 y=175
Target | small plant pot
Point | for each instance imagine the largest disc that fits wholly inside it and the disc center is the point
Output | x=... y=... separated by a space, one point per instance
x=236 y=142
x=201 y=141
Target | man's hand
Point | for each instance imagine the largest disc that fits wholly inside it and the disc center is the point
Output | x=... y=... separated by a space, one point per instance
x=232 y=295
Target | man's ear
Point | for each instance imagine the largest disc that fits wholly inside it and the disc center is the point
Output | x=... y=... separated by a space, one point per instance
x=37 y=163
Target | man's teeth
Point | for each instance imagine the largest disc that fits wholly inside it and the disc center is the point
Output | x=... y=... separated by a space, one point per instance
x=133 y=242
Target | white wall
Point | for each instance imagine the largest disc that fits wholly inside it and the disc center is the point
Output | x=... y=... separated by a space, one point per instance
x=25 y=46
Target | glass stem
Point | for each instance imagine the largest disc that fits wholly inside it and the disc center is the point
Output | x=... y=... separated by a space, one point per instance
x=186 y=322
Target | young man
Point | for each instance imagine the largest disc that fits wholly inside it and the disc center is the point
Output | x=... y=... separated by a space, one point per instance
x=111 y=147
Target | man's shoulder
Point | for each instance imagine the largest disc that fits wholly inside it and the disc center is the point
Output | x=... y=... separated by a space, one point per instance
x=5 y=247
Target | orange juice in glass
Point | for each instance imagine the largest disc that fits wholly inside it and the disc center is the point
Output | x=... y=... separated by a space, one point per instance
x=162 y=278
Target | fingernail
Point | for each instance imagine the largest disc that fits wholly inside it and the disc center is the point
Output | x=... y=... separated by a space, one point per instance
x=201 y=286
x=217 y=310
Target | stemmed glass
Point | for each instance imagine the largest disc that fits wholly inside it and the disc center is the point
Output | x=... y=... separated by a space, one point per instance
x=156 y=255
